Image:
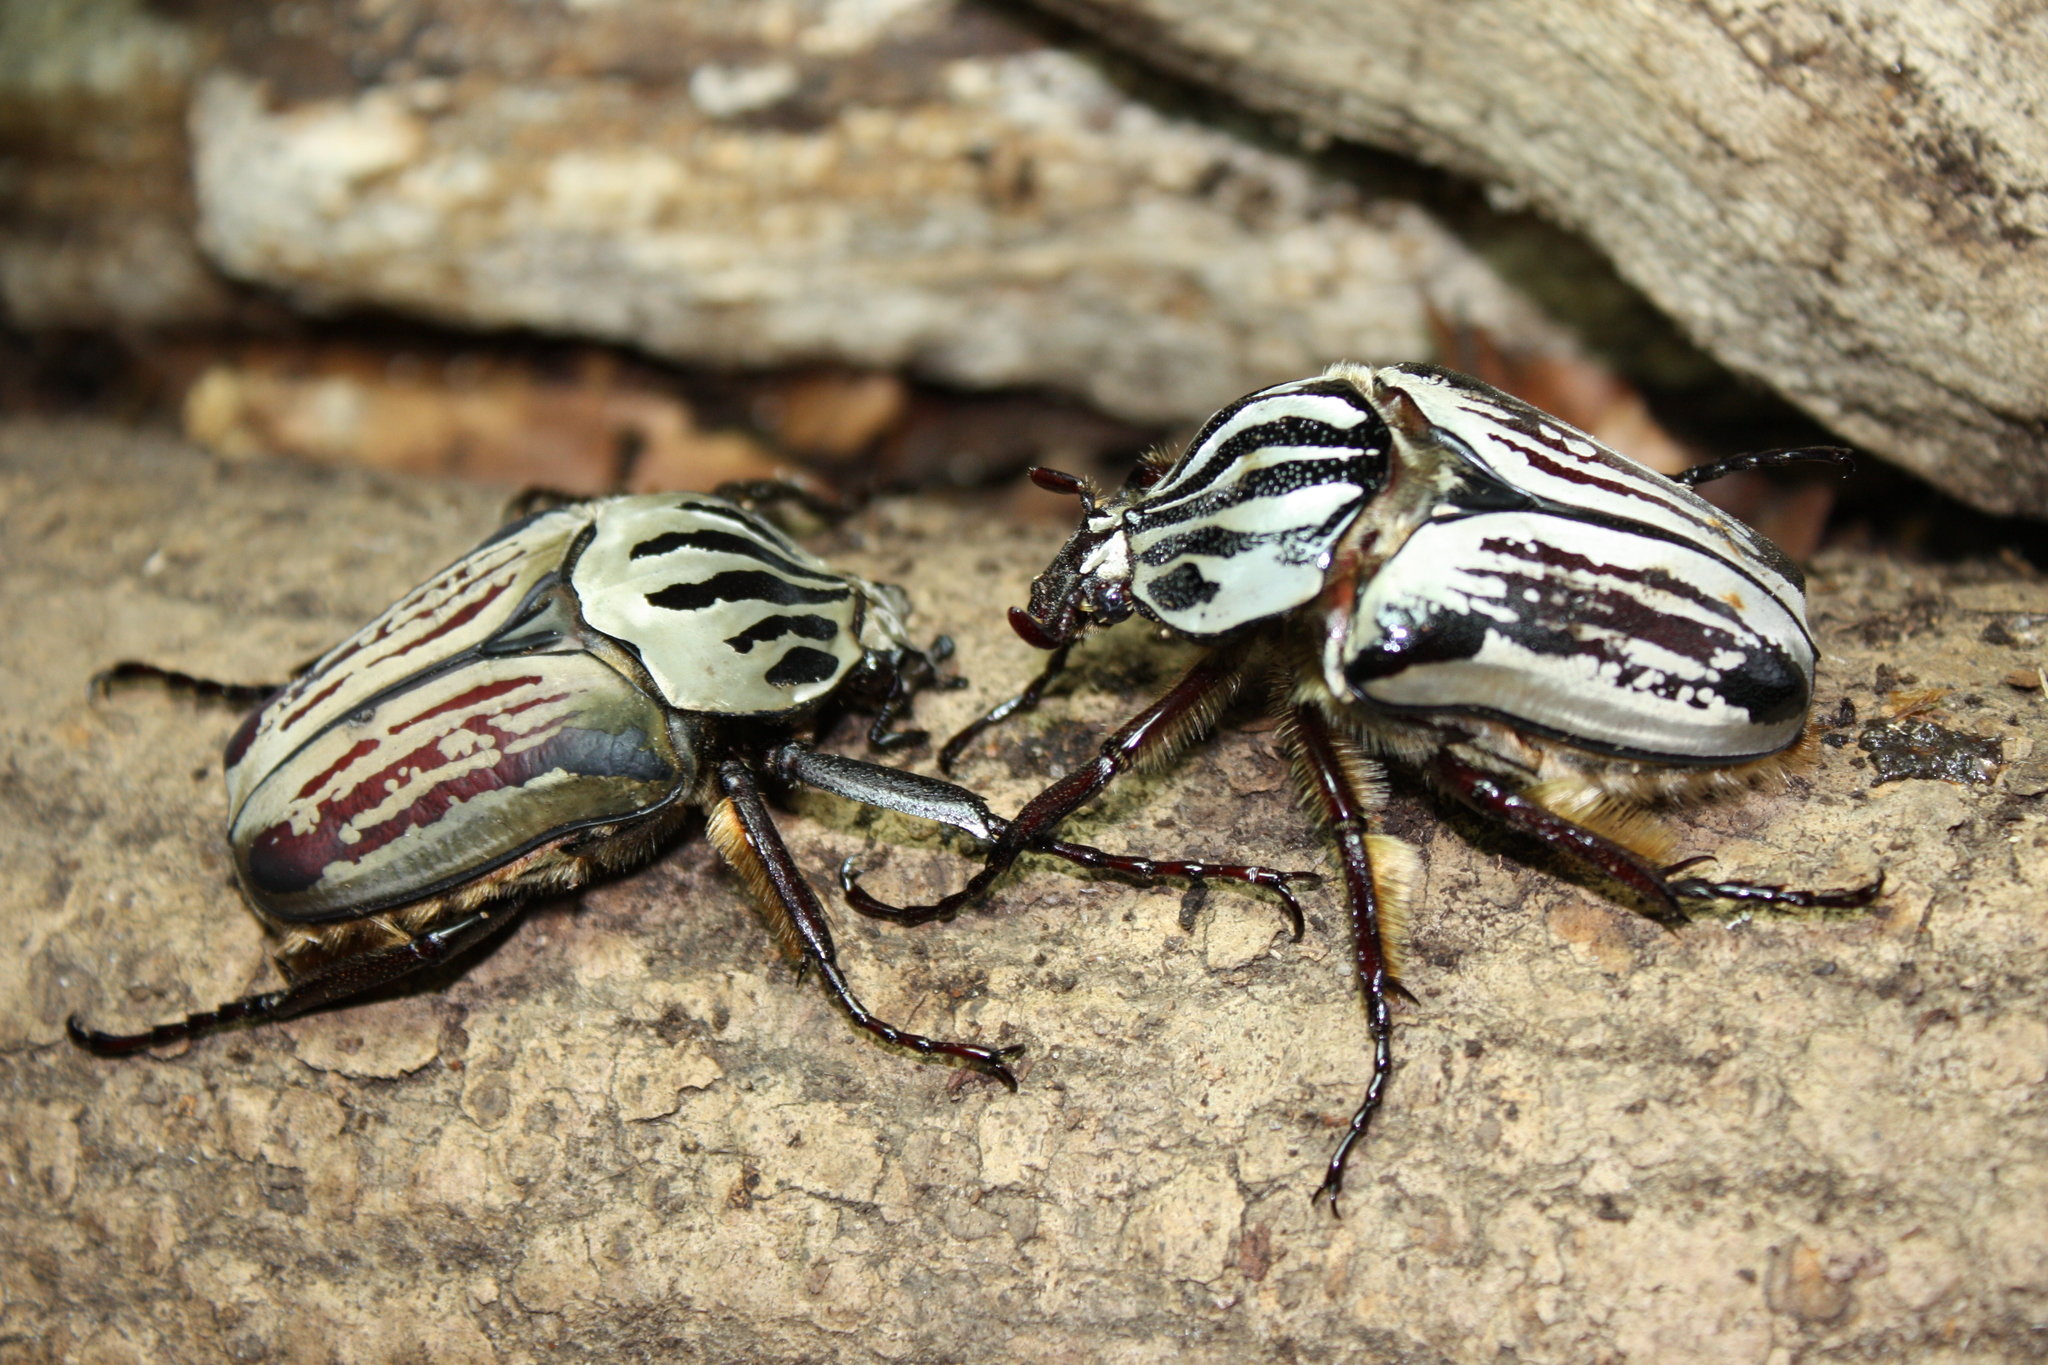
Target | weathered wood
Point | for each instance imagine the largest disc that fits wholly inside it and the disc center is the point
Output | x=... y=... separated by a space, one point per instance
x=1847 y=200
x=625 y=1132
x=926 y=185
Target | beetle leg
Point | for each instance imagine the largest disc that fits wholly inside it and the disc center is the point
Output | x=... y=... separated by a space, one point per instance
x=918 y=670
x=1337 y=800
x=757 y=493
x=930 y=798
x=1496 y=797
x=1027 y=700
x=339 y=980
x=132 y=670
x=1279 y=883
x=1493 y=796
x=746 y=835
x=1752 y=893
x=1841 y=460
x=1153 y=735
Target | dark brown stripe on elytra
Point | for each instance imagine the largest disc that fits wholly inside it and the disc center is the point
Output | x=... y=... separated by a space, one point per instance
x=475 y=697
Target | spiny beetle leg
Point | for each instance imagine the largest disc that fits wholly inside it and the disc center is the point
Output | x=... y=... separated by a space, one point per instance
x=133 y=670
x=1752 y=893
x=1840 y=460
x=931 y=798
x=1496 y=797
x=341 y=980
x=1344 y=810
x=764 y=860
x=1027 y=700
x=1279 y=883
x=1154 y=733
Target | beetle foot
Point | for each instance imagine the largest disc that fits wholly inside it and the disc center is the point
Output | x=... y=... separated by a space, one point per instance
x=125 y=1044
x=992 y=1062
x=1780 y=897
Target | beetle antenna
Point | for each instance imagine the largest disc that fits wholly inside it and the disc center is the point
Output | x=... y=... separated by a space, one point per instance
x=1056 y=481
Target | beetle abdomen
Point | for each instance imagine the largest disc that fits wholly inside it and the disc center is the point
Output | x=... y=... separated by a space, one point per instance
x=1607 y=638
x=447 y=779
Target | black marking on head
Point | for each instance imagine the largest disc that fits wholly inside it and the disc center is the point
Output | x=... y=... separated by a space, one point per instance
x=802 y=665
x=724 y=542
x=743 y=585
x=1183 y=588
x=775 y=627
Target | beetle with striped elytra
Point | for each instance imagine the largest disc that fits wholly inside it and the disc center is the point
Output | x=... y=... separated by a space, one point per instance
x=550 y=707
x=1447 y=579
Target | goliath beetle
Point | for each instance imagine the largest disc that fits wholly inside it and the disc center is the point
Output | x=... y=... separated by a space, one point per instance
x=1451 y=580
x=550 y=707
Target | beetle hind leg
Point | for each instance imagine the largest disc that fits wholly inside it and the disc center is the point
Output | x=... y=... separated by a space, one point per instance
x=171 y=680
x=1773 y=897
x=745 y=834
x=346 y=977
x=1631 y=857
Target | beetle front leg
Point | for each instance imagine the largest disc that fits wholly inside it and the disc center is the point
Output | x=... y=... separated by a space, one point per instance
x=1155 y=734
x=351 y=976
x=1841 y=461
x=746 y=835
x=1027 y=700
x=1775 y=897
x=931 y=798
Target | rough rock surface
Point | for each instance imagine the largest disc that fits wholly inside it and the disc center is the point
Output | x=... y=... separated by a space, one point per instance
x=627 y=1133
x=914 y=184
x=1846 y=200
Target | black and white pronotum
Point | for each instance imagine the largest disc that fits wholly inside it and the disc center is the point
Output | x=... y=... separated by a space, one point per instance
x=1448 y=579
x=551 y=706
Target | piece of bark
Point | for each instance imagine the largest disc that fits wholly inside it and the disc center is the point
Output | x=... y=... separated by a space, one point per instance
x=926 y=186
x=1844 y=201
x=626 y=1132
x=97 y=202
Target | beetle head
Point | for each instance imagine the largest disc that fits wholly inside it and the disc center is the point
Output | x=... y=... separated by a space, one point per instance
x=1088 y=583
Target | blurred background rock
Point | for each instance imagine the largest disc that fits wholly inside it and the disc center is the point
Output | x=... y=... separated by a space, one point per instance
x=906 y=243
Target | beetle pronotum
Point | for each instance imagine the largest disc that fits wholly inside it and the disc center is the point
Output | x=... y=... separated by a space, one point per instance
x=550 y=707
x=1448 y=579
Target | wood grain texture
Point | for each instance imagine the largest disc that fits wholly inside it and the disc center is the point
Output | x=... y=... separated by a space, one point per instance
x=625 y=1132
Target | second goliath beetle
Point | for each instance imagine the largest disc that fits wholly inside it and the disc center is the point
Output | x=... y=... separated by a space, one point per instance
x=552 y=706
x=1445 y=578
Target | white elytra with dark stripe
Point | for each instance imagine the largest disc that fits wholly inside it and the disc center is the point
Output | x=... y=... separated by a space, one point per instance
x=1242 y=527
x=555 y=678
x=728 y=614
x=1501 y=564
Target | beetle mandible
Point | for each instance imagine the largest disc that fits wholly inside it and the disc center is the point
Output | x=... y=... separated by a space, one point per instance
x=550 y=707
x=1451 y=580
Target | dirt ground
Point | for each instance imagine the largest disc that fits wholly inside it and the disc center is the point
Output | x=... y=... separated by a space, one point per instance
x=628 y=1133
